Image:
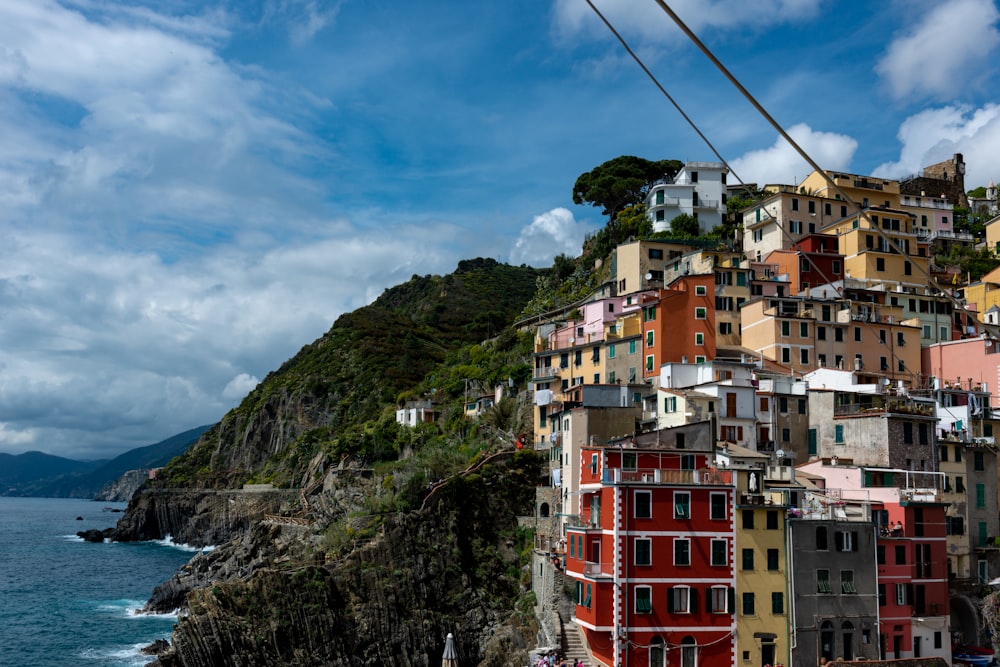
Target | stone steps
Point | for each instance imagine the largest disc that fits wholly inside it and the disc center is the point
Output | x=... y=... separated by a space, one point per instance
x=572 y=643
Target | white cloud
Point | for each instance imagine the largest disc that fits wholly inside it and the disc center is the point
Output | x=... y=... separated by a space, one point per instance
x=552 y=233
x=240 y=386
x=935 y=135
x=780 y=163
x=651 y=22
x=940 y=55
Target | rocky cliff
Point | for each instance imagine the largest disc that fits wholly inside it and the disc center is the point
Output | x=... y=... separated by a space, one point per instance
x=123 y=488
x=288 y=595
x=342 y=563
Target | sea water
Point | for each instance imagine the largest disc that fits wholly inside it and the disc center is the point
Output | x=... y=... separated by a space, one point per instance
x=64 y=601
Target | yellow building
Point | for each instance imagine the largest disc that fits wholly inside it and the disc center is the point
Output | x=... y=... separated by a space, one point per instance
x=865 y=191
x=763 y=608
x=882 y=246
x=984 y=293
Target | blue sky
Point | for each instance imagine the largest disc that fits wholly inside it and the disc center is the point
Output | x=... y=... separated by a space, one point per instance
x=191 y=191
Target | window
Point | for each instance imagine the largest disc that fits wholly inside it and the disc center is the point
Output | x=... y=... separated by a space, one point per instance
x=718 y=600
x=700 y=313
x=719 y=552
x=649 y=362
x=643 y=600
x=823 y=581
x=679 y=600
x=804 y=329
x=630 y=460
x=802 y=406
x=980 y=495
x=718 y=505
x=846 y=540
x=821 y=333
x=611 y=351
x=773 y=556
x=699 y=338
x=978 y=462
x=725 y=328
x=959 y=482
x=847 y=581
x=835 y=267
x=857 y=334
x=902 y=598
x=643 y=551
x=649 y=313
x=748 y=559
x=786 y=329
x=777 y=603
x=900 y=555
x=649 y=338
x=700 y=290
x=838 y=434
x=821 y=541
x=643 y=505
x=682 y=505
x=656 y=253
x=748 y=519
x=772 y=520
x=786 y=355
x=881 y=595
x=748 y=604
x=682 y=551
x=631 y=347
x=670 y=404
x=804 y=356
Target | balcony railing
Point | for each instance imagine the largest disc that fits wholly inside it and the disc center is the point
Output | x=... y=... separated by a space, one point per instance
x=706 y=476
x=598 y=570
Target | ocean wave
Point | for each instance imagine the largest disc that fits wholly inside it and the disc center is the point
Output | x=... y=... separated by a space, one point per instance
x=128 y=608
x=168 y=541
x=123 y=655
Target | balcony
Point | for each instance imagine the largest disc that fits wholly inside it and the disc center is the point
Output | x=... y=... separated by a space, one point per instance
x=545 y=374
x=707 y=476
x=599 y=570
x=705 y=203
x=879 y=405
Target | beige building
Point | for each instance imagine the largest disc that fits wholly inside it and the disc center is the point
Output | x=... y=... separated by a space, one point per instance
x=640 y=265
x=778 y=221
x=803 y=334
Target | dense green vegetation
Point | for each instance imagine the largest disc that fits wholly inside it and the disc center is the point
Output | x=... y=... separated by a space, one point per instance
x=432 y=336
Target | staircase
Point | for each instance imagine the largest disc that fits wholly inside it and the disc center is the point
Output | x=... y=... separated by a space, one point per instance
x=572 y=643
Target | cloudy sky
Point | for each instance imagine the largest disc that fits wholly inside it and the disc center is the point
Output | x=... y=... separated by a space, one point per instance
x=192 y=190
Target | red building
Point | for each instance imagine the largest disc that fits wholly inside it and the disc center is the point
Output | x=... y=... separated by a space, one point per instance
x=912 y=557
x=652 y=557
x=811 y=261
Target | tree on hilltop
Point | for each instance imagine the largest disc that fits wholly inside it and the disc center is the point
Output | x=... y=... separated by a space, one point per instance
x=621 y=182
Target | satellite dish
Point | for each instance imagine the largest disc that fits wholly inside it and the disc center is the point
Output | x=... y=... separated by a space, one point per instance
x=649 y=276
x=780 y=453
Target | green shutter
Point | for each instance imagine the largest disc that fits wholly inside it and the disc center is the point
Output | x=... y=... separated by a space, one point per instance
x=812 y=442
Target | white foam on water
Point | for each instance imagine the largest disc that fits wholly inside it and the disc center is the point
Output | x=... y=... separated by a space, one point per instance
x=168 y=541
x=126 y=656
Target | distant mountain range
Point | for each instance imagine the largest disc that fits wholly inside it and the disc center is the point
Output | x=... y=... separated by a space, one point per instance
x=42 y=475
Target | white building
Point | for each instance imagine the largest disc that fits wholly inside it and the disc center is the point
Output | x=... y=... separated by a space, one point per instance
x=698 y=189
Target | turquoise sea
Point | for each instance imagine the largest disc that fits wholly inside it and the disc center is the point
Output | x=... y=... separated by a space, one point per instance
x=64 y=601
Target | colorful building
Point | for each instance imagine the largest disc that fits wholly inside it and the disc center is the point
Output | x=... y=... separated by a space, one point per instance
x=652 y=556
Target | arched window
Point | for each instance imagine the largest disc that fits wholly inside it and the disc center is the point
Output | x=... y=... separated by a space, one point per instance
x=826 y=639
x=543 y=511
x=847 y=632
x=689 y=652
x=657 y=656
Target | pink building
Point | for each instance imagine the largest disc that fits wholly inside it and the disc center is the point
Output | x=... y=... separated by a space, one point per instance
x=970 y=364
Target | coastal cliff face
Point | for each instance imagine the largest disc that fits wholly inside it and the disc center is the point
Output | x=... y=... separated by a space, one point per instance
x=338 y=566
x=458 y=566
x=198 y=517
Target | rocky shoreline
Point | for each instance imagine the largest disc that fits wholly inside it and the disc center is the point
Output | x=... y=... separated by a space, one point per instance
x=273 y=592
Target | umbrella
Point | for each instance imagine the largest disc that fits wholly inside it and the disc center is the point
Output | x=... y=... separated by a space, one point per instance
x=450 y=656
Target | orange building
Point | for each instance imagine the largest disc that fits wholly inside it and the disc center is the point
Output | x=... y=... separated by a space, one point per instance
x=679 y=324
